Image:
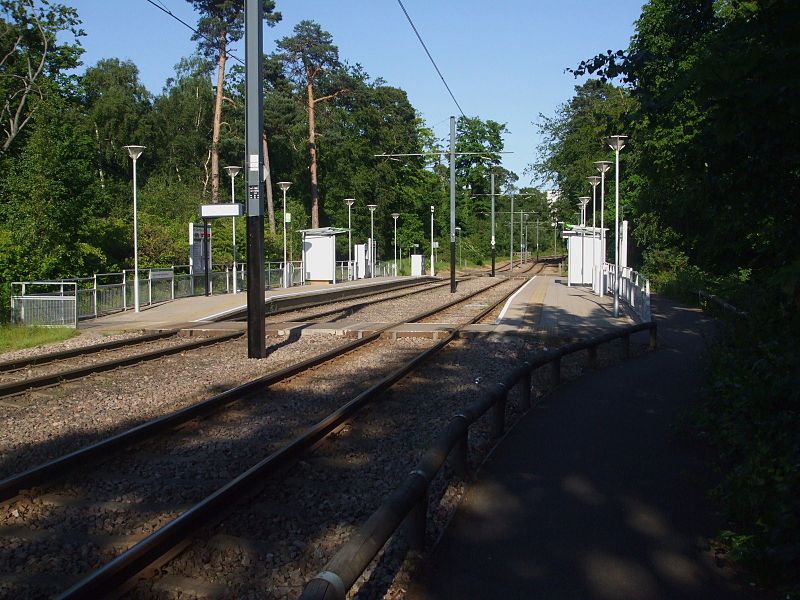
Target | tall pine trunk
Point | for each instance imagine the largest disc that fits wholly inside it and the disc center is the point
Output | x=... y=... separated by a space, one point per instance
x=312 y=150
x=217 y=126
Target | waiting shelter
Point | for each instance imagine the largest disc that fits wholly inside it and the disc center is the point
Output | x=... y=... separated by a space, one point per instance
x=319 y=254
x=584 y=246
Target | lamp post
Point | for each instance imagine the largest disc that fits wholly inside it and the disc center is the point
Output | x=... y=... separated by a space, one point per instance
x=584 y=200
x=233 y=172
x=511 y=242
x=460 y=255
x=493 y=240
x=433 y=256
x=349 y=202
x=537 y=238
x=395 y=216
x=594 y=180
x=616 y=143
x=603 y=166
x=284 y=186
x=135 y=152
x=373 y=254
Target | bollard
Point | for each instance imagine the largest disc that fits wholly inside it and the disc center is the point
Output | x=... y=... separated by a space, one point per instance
x=653 y=337
x=626 y=345
x=460 y=457
x=591 y=357
x=415 y=524
x=555 y=371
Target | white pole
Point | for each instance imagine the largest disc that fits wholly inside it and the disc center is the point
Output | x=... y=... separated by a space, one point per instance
x=395 y=246
x=616 y=236
x=349 y=244
x=285 y=265
x=511 y=243
x=594 y=257
x=233 y=200
x=433 y=262
x=135 y=244
x=372 y=253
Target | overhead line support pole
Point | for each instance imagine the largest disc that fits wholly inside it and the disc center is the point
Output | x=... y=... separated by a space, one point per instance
x=254 y=123
x=494 y=249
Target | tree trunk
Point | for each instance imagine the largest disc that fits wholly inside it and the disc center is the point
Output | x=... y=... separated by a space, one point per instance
x=312 y=150
x=218 y=118
x=268 y=183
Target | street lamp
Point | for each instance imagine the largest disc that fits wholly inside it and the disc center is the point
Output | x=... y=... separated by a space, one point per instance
x=616 y=143
x=594 y=180
x=433 y=256
x=460 y=254
x=349 y=202
x=395 y=217
x=373 y=250
x=603 y=166
x=584 y=200
x=284 y=186
x=135 y=152
x=233 y=172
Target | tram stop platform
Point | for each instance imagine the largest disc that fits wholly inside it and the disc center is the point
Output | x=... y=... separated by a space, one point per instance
x=196 y=312
x=545 y=307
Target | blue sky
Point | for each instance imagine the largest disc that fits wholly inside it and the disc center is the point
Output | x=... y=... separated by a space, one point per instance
x=504 y=60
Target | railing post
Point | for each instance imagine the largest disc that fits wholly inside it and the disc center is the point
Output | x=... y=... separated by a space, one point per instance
x=416 y=522
x=460 y=456
x=525 y=388
x=591 y=357
x=94 y=293
x=124 y=291
x=499 y=414
x=172 y=284
x=555 y=371
x=150 y=287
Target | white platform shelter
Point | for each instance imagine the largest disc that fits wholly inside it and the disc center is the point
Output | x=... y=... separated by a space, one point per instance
x=319 y=254
x=584 y=244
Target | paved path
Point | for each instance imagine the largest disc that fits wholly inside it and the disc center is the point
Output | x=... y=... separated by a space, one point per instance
x=592 y=495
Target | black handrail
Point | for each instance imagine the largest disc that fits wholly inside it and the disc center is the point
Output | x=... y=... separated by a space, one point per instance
x=409 y=501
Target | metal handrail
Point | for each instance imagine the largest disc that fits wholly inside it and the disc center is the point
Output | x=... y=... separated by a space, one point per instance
x=721 y=303
x=409 y=501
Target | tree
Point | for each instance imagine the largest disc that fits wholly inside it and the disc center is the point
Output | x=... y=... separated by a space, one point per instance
x=222 y=23
x=311 y=57
x=116 y=106
x=32 y=59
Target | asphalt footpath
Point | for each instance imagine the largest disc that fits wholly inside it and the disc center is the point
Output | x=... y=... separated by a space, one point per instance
x=595 y=493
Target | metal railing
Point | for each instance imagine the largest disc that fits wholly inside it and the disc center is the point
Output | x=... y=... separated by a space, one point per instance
x=634 y=289
x=45 y=303
x=409 y=502
x=724 y=304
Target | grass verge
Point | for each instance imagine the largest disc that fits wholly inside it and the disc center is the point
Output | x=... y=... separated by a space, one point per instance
x=16 y=337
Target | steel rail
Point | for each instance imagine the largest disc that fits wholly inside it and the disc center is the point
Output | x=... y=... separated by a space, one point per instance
x=42 y=474
x=24 y=385
x=213 y=508
x=14 y=365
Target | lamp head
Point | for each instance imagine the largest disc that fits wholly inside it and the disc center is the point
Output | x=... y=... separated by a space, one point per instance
x=233 y=171
x=395 y=216
x=617 y=142
x=603 y=165
x=584 y=200
x=372 y=207
x=349 y=201
x=432 y=209
x=284 y=185
x=135 y=151
x=594 y=180
x=458 y=228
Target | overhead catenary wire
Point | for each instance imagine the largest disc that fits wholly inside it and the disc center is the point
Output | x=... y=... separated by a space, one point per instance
x=160 y=6
x=433 y=62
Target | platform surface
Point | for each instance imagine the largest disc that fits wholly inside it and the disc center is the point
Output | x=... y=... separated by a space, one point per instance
x=593 y=495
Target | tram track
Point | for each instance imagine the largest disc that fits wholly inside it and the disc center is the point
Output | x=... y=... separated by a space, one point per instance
x=51 y=369
x=40 y=476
